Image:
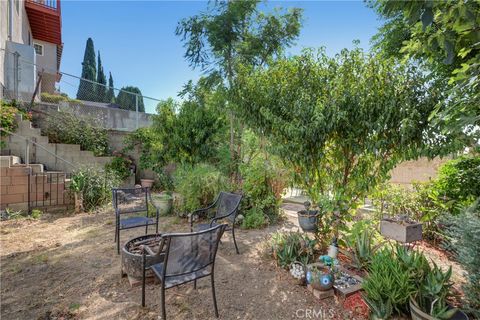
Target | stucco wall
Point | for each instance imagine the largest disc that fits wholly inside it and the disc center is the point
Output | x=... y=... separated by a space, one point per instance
x=420 y=170
x=48 y=61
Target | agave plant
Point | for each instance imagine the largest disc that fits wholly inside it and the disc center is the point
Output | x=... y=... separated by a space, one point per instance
x=379 y=309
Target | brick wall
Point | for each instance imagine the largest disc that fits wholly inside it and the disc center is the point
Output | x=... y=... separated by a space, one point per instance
x=44 y=191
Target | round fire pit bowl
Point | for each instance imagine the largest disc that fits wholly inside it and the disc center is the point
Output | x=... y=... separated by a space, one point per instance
x=132 y=256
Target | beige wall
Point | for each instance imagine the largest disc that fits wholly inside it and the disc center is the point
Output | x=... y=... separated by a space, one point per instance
x=47 y=62
x=420 y=170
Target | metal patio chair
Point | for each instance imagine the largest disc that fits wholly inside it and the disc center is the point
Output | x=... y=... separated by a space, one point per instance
x=186 y=257
x=132 y=201
x=224 y=207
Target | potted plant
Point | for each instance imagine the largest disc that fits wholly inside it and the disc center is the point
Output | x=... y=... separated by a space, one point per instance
x=320 y=277
x=401 y=228
x=164 y=202
x=298 y=271
x=147 y=183
x=308 y=219
x=430 y=301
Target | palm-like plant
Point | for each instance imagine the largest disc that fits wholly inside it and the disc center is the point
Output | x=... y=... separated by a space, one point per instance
x=361 y=250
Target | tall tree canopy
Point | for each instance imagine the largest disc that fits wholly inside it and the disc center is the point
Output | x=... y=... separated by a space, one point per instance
x=110 y=95
x=231 y=32
x=342 y=123
x=101 y=82
x=87 y=88
x=445 y=35
x=126 y=99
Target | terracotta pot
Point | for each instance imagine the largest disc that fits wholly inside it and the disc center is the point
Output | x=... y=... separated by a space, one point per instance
x=147 y=183
x=418 y=314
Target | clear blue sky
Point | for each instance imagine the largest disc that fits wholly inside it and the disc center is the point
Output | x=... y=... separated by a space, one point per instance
x=138 y=45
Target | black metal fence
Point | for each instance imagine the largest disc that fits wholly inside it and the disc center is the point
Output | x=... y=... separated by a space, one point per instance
x=49 y=190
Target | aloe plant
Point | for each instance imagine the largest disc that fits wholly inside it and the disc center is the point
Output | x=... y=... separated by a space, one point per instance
x=432 y=295
x=361 y=250
x=379 y=309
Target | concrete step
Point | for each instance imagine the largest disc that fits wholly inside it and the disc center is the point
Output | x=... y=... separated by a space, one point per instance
x=36 y=167
x=7 y=161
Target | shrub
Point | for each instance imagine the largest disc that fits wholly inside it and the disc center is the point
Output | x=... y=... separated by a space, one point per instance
x=199 y=185
x=56 y=98
x=67 y=127
x=254 y=218
x=421 y=204
x=465 y=232
x=458 y=182
x=95 y=185
x=121 y=166
x=263 y=182
x=36 y=213
x=8 y=111
x=288 y=247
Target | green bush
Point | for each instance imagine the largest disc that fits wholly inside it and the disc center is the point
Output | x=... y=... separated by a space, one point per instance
x=421 y=204
x=120 y=165
x=70 y=128
x=95 y=185
x=465 y=232
x=263 y=183
x=458 y=183
x=254 y=219
x=8 y=111
x=56 y=98
x=36 y=214
x=198 y=185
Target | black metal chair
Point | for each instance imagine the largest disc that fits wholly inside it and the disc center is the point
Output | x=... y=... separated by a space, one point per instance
x=186 y=257
x=225 y=207
x=132 y=201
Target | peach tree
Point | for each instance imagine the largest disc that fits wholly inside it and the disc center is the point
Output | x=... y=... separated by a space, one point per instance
x=341 y=122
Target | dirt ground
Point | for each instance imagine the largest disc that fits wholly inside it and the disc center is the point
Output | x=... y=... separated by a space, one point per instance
x=68 y=268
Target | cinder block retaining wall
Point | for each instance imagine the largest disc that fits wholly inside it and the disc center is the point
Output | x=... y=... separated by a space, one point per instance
x=21 y=184
x=420 y=170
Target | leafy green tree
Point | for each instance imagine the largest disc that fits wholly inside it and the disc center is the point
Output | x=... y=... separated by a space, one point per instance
x=445 y=36
x=126 y=99
x=231 y=32
x=110 y=95
x=342 y=123
x=87 y=88
x=188 y=132
x=101 y=82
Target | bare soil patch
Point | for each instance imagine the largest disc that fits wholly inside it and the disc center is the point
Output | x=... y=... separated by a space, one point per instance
x=68 y=268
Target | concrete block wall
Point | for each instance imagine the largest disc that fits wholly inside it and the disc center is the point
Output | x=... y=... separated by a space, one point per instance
x=21 y=184
x=50 y=158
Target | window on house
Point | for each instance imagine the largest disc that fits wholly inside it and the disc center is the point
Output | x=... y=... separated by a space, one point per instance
x=38 y=49
x=29 y=39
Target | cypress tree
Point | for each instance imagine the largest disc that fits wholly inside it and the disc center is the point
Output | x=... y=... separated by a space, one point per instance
x=110 y=96
x=102 y=82
x=126 y=100
x=86 y=89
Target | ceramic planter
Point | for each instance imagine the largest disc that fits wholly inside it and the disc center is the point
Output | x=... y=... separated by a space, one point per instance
x=418 y=314
x=400 y=230
x=147 y=183
x=320 y=278
x=308 y=219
